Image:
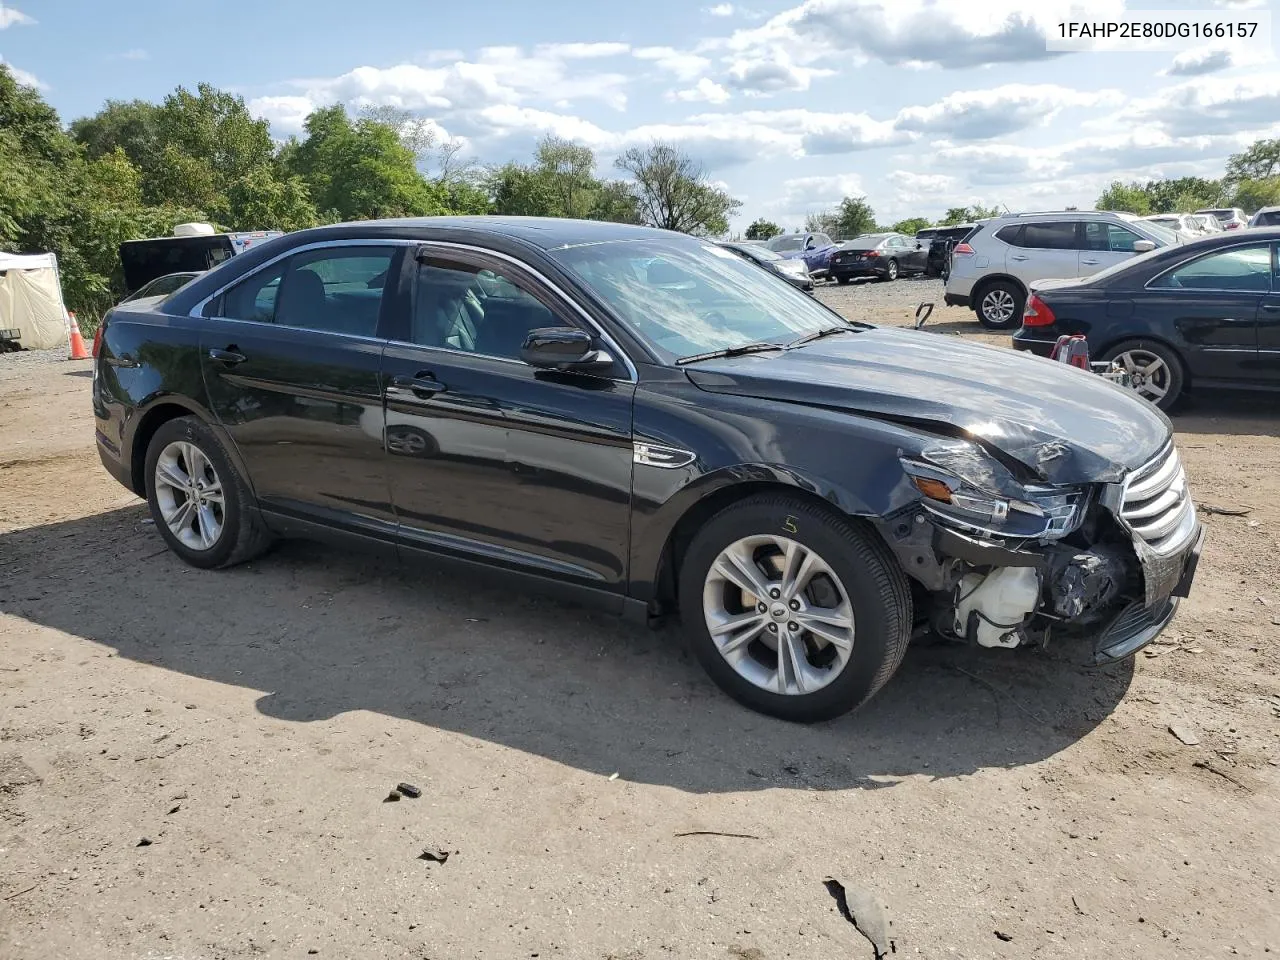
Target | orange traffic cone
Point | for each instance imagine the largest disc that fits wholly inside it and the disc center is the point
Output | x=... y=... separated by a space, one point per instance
x=78 y=351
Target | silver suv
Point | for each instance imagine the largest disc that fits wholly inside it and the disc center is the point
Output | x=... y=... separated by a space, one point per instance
x=992 y=268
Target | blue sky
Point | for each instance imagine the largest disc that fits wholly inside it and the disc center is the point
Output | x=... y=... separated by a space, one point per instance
x=918 y=104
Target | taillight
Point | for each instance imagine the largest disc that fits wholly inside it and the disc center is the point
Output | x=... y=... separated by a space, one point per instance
x=97 y=339
x=872 y=253
x=963 y=250
x=1037 y=313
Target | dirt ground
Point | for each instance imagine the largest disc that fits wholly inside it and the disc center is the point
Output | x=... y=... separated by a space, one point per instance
x=580 y=772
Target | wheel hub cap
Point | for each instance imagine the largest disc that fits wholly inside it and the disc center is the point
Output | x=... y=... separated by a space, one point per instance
x=189 y=495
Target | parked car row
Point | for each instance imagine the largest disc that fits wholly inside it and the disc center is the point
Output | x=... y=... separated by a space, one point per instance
x=646 y=421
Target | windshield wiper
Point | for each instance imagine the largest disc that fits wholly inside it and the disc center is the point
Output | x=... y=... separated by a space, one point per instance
x=824 y=332
x=730 y=352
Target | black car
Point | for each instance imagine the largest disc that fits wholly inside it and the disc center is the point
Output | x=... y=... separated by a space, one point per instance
x=1199 y=315
x=641 y=420
x=939 y=242
x=885 y=256
x=792 y=270
x=163 y=286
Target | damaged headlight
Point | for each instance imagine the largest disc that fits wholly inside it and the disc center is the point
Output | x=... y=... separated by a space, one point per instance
x=966 y=487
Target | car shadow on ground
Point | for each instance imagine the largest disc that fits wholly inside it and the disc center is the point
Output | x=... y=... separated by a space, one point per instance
x=322 y=631
x=1244 y=413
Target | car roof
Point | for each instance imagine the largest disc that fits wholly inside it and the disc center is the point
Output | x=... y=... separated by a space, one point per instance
x=545 y=233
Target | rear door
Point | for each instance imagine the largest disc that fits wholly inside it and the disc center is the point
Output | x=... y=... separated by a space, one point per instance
x=1041 y=251
x=292 y=361
x=1213 y=305
x=1103 y=245
x=1269 y=322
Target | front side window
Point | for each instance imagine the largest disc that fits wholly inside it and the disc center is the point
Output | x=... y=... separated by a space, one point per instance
x=683 y=296
x=1110 y=237
x=822 y=240
x=1240 y=269
x=332 y=290
x=460 y=306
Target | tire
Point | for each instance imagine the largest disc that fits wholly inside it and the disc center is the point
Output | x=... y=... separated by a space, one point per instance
x=843 y=280
x=1137 y=355
x=855 y=577
x=999 y=305
x=890 y=272
x=202 y=541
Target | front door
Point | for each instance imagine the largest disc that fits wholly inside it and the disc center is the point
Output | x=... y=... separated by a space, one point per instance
x=1214 y=303
x=292 y=362
x=1104 y=245
x=490 y=457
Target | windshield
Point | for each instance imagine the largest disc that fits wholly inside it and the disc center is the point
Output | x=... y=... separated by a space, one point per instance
x=1161 y=232
x=784 y=244
x=1223 y=215
x=685 y=297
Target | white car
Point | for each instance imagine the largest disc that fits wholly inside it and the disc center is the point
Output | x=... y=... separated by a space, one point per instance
x=992 y=268
x=1207 y=222
x=1186 y=224
x=1231 y=218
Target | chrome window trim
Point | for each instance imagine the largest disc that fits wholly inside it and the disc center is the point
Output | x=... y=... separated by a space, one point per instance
x=1243 y=242
x=198 y=309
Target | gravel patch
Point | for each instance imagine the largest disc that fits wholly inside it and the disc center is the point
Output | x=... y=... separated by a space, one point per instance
x=17 y=365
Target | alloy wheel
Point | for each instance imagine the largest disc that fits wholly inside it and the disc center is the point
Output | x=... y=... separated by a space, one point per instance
x=892 y=270
x=778 y=614
x=1149 y=374
x=189 y=494
x=998 y=305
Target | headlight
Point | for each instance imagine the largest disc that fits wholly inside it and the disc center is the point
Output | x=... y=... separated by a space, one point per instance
x=798 y=267
x=988 y=500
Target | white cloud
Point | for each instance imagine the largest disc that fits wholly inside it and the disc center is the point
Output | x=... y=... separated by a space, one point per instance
x=22 y=76
x=984 y=114
x=682 y=64
x=9 y=17
x=721 y=10
x=1195 y=63
x=704 y=90
x=761 y=77
x=583 y=51
x=135 y=54
x=1240 y=4
x=812 y=131
x=285 y=114
x=918 y=32
x=1211 y=105
x=804 y=195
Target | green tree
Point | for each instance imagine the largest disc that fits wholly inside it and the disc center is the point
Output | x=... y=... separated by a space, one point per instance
x=261 y=200
x=1250 y=195
x=762 y=229
x=1125 y=198
x=1260 y=161
x=673 y=190
x=520 y=191
x=568 y=169
x=1183 y=195
x=958 y=215
x=614 y=201
x=823 y=221
x=360 y=170
x=854 y=217
x=129 y=125
x=911 y=225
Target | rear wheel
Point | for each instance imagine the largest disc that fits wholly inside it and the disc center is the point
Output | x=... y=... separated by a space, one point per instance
x=1154 y=369
x=891 y=270
x=202 y=508
x=793 y=610
x=1000 y=305
x=842 y=280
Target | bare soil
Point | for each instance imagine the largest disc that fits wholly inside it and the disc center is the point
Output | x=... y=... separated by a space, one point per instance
x=250 y=723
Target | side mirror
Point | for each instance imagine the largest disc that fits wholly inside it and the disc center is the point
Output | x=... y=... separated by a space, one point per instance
x=919 y=245
x=1143 y=246
x=564 y=348
x=810 y=244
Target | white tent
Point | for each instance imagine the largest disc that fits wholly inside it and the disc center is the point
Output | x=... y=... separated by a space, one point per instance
x=31 y=300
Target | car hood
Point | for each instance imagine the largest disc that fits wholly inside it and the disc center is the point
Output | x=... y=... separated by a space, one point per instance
x=1062 y=424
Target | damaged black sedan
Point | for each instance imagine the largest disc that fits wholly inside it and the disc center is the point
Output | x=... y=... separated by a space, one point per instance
x=641 y=420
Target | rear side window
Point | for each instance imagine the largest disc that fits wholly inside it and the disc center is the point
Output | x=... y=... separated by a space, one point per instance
x=1271 y=219
x=1049 y=236
x=333 y=290
x=1011 y=235
x=1109 y=236
x=1240 y=269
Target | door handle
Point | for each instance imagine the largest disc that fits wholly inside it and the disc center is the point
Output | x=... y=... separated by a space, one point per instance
x=424 y=385
x=1271 y=307
x=1019 y=258
x=229 y=356
x=124 y=360
x=1091 y=262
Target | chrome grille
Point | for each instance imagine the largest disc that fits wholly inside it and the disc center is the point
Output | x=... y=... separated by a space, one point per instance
x=1156 y=504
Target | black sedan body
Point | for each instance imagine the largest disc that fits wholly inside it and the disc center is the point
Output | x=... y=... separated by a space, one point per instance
x=641 y=420
x=884 y=256
x=1204 y=314
x=791 y=269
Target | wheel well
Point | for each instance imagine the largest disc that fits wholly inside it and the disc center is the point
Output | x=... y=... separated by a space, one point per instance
x=696 y=516
x=981 y=286
x=152 y=421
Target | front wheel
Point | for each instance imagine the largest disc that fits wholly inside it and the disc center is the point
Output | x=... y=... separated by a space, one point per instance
x=1154 y=370
x=794 y=610
x=202 y=508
